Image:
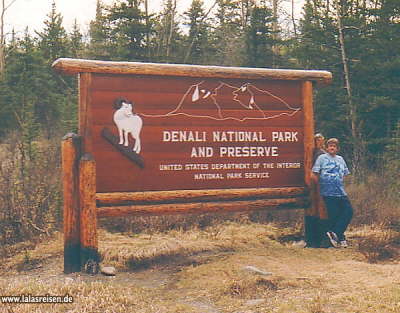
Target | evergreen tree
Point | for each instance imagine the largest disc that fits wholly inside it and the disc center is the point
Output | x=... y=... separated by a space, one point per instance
x=228 y=36
x=375 y=73
x=365 y=115
x=168 y=36
x=76 y=46
x=318 y=49
x=53 y=38
x=197 y=40
x=25 y=79
x=129 y=29
x=259 y=38
x=99 y=33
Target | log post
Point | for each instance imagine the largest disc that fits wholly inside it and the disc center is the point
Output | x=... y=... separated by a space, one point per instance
x=85 y=111
x=88 y=217
x=308 y=111
x=70 y=151
x=311 y=219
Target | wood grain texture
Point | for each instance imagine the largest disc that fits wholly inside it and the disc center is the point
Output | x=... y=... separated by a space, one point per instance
x=85 y=112
x=70 y=154
x=74 y=66
x=88 y=217
x=182 y=196
x=308 y=129
x=126 y=151
x=201 y=207
x=277 y=102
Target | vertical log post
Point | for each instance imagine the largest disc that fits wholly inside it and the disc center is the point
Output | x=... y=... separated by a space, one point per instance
x=307 y=96
x=311 y=223
x=85 y=111
x=88 y=218
x=70 y=150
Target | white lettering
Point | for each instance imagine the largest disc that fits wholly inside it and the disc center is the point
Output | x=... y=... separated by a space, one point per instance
x=284 y=136
x=208 y=176
x=183 y=135
x=234 y=175
x=202 y=152
x=171 y=167
x=245 y=152
x=191 y=167
x=166 y=136
x=238 y=136
x=288 y=165
x=256 y=175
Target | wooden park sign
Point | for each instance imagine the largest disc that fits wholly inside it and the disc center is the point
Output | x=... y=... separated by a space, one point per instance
x=163 y=139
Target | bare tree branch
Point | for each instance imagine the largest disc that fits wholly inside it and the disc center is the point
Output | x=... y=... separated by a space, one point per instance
x=9 y=5
x=196 y=31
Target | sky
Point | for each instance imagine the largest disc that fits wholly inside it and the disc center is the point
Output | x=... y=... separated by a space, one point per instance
x=32 y=13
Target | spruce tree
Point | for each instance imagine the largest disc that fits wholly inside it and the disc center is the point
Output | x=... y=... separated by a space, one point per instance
x=99 y=34
x=129 y=29
x=53 y=43
x=76 y=45
x=368 y=33
x=197 y=44
x=168 y=35
x=259 y=38
x=53 y=38
x=228 y=35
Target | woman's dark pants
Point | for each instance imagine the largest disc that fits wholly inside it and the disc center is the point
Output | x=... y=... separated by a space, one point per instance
x=340 y=213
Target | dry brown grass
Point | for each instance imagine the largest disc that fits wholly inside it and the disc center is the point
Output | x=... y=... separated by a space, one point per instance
x=144 y=250
x=30 y=197
x=202 y=271
x=374 y=199
x=378 y=243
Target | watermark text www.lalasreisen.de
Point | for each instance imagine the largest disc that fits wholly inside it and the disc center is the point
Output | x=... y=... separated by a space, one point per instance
x=28 y=298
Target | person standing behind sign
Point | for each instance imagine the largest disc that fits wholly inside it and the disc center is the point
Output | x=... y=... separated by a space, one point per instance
x=315 y=219
x=331 y=169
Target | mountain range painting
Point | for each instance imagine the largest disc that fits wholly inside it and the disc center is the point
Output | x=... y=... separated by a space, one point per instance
x=223 y=101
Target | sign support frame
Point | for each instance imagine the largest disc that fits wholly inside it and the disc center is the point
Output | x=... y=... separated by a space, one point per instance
x=83 y=205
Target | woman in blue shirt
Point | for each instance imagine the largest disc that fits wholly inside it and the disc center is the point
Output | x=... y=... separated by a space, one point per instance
x=331 y=169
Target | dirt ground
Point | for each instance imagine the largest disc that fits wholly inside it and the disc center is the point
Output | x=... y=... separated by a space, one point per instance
x=231 y=268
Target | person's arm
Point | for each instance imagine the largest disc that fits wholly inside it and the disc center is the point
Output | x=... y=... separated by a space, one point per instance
x=316 y=169
x=347 y=175
x=315 y=177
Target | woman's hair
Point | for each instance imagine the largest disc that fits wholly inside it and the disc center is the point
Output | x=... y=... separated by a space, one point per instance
x=319 y=135
x=319 y=141
x=333 y=141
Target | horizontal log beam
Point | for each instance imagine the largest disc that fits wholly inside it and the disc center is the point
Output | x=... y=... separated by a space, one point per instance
x=75 y=66
x=182 y=196
x=201 y=207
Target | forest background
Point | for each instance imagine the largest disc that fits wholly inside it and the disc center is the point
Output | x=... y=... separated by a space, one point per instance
x=357 y=40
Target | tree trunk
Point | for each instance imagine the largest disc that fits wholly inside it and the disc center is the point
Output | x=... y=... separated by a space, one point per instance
x=171 y=29
x=146 y=6
x=2 y=41
x=275 y=48
x=294 y=21
x=4 y=8
x=196 y=31
x=357 y=149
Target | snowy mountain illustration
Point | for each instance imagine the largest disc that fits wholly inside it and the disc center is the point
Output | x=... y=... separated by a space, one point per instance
x=223 y=101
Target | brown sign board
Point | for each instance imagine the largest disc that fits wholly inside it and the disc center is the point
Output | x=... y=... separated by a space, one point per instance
x=170 y=139
x=198 y=129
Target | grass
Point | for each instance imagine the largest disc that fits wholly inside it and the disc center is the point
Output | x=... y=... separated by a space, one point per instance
x=149 y=249
x=379 y=243
x=203 y=270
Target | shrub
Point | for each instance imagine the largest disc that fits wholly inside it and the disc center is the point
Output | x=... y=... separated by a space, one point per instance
x=30 y=198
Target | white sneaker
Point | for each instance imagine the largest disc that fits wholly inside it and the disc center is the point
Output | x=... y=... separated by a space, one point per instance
x=343 y=244
x=333 y=238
